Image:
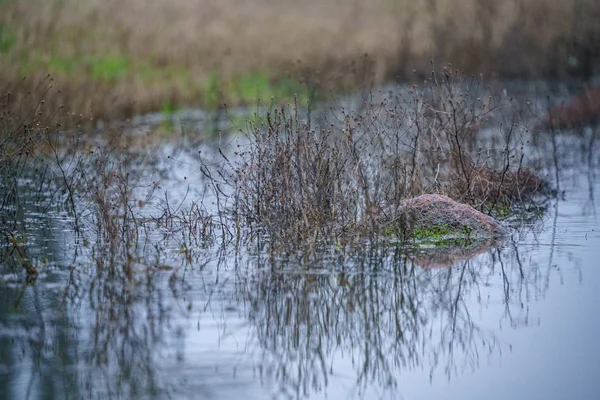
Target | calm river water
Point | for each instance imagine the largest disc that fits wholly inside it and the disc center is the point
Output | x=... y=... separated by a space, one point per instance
x=515 y=322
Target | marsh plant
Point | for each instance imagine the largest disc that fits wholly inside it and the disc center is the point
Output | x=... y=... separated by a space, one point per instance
x=23 y=126
x=99 y=184
x=294 y=177
x=345 y=173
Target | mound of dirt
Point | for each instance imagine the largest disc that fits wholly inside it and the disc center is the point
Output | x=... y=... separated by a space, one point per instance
x=429 y=211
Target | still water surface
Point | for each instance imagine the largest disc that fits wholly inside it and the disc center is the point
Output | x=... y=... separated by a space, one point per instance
x=515 y=322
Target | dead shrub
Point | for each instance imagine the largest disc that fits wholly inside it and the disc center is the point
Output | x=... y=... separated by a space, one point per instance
x=346 y=174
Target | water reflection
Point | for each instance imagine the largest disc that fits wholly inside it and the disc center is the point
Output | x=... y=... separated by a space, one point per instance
x=100 y=336
x=124 y=326
x=129 y=330
x=383 y=314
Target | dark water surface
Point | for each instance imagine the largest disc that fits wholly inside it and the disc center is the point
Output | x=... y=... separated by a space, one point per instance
x=515 y=322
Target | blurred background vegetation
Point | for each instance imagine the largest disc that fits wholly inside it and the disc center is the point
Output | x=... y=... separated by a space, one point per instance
x=118 y=58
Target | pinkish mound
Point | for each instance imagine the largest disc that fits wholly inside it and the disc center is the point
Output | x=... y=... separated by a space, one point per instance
x=430 y=211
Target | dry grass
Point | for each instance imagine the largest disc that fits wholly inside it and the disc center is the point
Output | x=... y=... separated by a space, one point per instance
x=581 y=110
x=113 y=57
x=292 y=181
x=100 y=184
x=346 y=176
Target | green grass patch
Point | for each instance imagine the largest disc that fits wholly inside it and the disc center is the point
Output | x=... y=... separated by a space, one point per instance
x=8 y=39
x=172 y=82
x=168 y=109
x=109 y=68
x=63 y=66
x=253 y=88
x=151 y=74
x=103 y=68
x=244 y=122
x=212 y=90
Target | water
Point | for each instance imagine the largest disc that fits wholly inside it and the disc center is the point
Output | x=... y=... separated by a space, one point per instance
x=519 y=321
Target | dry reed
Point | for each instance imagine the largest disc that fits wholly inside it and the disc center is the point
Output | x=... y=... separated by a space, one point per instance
x=119 y=58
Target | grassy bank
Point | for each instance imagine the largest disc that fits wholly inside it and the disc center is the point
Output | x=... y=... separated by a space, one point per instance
x=120 y=58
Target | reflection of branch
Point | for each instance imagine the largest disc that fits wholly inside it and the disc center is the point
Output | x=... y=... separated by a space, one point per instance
x=591 y=169
x=552 y=243
x=506 y=287
x=379 y=325
x=553 y=135
x=128 y=324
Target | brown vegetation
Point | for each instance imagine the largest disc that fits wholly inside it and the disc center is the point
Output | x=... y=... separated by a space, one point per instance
x=581 y=110
x=489 y=188
x=289 y=180
x=113 y=57
x=349 y=176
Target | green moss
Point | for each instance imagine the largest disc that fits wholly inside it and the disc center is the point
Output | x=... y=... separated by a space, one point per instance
x=449 y=242
x=442 y=235
x=501 y=210
x=431 y=232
